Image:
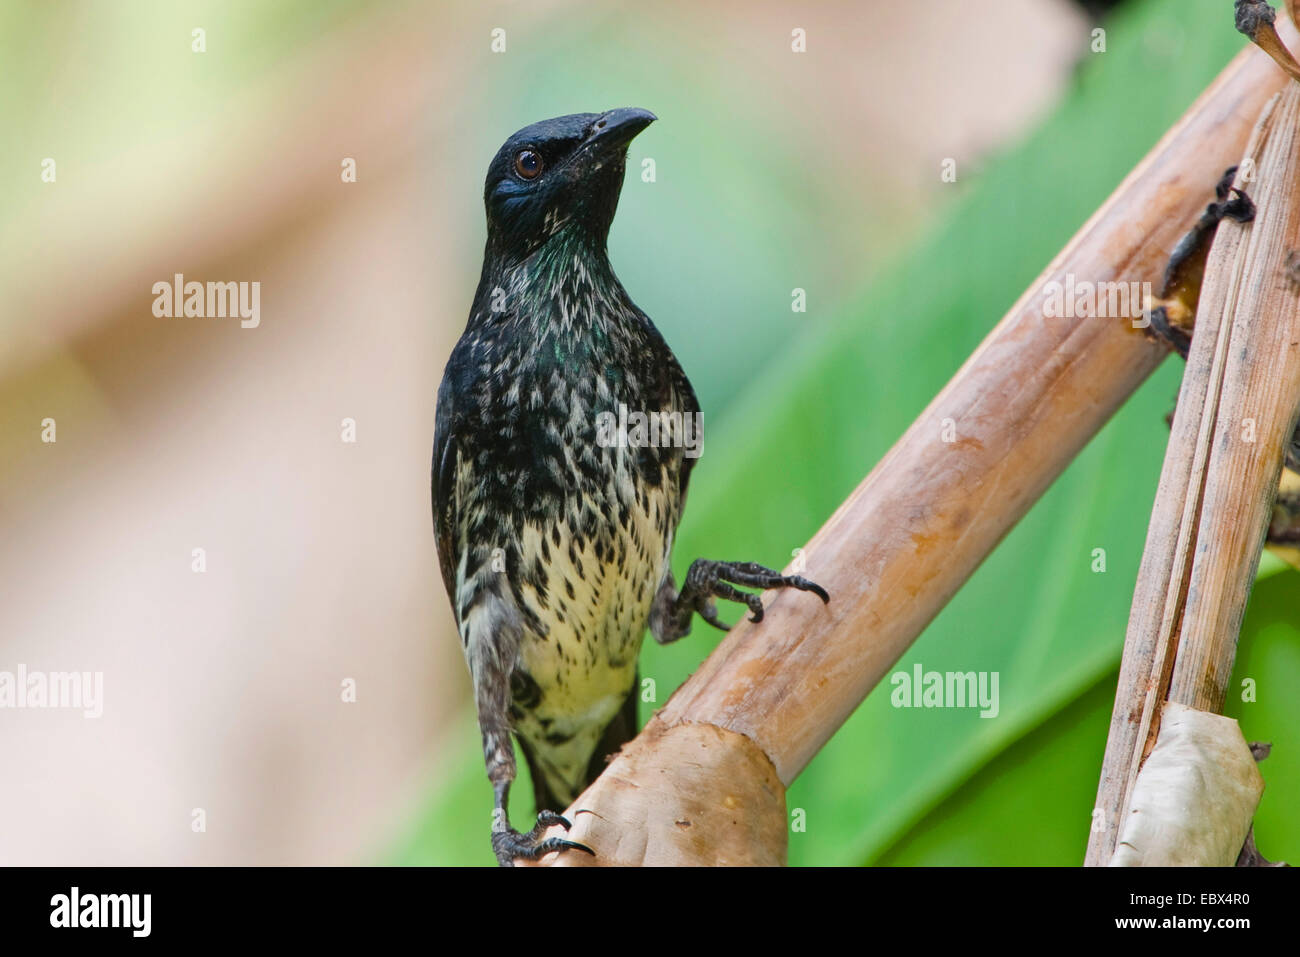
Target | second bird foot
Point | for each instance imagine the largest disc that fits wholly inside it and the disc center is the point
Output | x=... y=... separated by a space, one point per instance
x=707 y=580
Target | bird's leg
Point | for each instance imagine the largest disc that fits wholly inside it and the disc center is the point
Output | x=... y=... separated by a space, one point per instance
x=670 y=618
x=492 y=698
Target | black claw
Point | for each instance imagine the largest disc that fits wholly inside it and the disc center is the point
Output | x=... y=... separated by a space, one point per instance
x=711 y=616
x=707 y=580
x=547 y=819
x=803 y=584
x=1240 y=208
x=510 y=845
x=560 y=844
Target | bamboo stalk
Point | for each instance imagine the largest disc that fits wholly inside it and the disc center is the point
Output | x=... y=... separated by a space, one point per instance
x=1256 y=419
x=1214 y=502
x=1171 y=539
x=909 y=536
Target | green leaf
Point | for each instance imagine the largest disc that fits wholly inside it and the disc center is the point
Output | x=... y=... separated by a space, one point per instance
x=1032 y=803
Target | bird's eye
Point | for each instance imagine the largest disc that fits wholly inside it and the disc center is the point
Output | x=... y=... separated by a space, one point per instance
x=528 y=163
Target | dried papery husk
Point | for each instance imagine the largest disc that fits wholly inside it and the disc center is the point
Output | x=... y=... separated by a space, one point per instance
x=1195 y=797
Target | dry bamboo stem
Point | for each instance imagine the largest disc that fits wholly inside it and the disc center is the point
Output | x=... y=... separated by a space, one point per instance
x=900 y=546
x=1236 y=411
x=1148 y=660
x=1257 y=417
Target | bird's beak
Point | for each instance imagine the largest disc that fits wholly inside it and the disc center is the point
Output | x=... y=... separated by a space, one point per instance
x=615 y=129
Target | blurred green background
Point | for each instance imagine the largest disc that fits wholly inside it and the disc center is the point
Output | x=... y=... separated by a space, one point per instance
x=774 y=171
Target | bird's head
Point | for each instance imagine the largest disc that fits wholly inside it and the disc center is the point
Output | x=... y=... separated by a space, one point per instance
x=562 y=174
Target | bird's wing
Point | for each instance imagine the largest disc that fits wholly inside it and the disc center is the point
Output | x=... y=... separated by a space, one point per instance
x=690 y=406
x=443 y=481
x=674 y=390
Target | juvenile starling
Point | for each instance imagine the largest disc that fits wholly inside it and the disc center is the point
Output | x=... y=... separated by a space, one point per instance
x=553 y=533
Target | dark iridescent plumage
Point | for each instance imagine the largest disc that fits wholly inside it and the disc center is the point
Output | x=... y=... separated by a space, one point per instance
x=554 y=545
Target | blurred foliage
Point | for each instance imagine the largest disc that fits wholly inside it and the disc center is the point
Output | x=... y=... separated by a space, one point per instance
x=125 y=124
x=1048 y=777
x=938 y=786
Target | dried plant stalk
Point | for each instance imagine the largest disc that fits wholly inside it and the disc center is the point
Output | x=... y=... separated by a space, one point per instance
x=1257 y=417
x=1255 y=19
x=1030 y=397
x=1236 y=413
x=683 y=794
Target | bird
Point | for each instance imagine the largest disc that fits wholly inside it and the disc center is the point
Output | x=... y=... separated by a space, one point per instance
x=554 y=530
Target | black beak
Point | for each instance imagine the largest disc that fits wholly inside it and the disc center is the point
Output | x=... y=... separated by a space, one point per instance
x=616 y=128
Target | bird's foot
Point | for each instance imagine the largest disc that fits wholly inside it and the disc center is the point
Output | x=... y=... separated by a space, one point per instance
x=707 y=580
x=510 y=845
